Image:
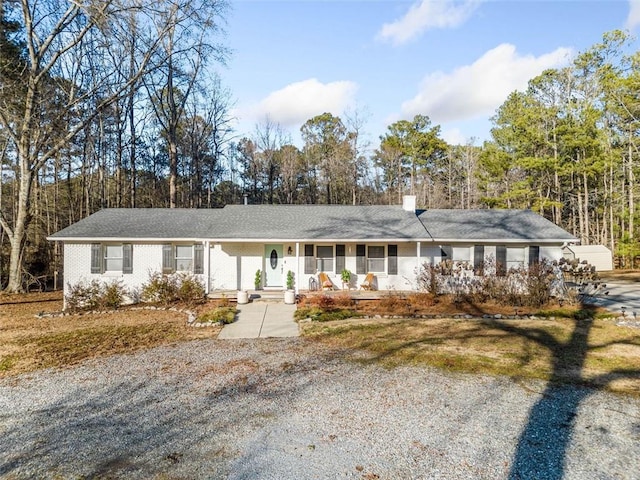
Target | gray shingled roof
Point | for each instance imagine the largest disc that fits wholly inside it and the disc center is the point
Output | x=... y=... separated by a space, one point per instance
x=480 y=225
x=340 y=222
x=143 y=223
x=314 y=222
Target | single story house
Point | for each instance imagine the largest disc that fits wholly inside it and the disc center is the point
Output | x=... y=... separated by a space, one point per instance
x=226 y=247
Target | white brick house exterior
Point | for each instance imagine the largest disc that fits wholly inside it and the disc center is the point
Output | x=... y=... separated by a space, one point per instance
x=226 y=247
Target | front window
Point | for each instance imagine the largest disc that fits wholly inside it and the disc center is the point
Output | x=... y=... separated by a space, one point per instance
x=113 y=258
x=184 y=258
x=461 y=254
x=324 y=258
x=515 y=257
x=375 y=259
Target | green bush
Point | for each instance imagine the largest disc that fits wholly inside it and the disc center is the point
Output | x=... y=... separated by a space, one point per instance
x=225 y=315
x=318 y=314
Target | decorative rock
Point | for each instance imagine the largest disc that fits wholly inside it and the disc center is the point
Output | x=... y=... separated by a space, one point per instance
x=497 y=316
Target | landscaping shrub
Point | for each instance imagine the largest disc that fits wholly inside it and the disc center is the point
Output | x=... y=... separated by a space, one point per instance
x=160 y=288
x=533 y=286
x=322 y=301
x=95 y=295
x=177 y=287
x=307 y=312
x=429 y=279
x=394 y=303
x=224 y=315
x=540 y=277
x=112 y=295
x=82 y=295
x=320 y=315
x=421 y=300
x=190 y=289
x=343 y=300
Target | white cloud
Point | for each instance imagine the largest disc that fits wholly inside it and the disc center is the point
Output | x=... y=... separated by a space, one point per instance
x=633 y=19
x=454 y=136
x=425 y=15
x=298 y=102
x=478 y=89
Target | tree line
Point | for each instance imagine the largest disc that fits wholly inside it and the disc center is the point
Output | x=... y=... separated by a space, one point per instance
x=118 y=104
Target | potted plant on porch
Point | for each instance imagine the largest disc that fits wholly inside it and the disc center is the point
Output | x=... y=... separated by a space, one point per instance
x=257 y=281
x=345 y=275
x=290 y=294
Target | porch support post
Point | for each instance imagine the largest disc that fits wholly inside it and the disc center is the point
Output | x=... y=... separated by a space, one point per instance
x=418 y=255
x=207 y=264
x=297 y=267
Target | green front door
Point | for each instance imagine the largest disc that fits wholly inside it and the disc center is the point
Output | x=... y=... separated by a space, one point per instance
x=273 y=265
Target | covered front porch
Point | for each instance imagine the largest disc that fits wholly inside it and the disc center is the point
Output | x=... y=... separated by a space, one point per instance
x=278 y=295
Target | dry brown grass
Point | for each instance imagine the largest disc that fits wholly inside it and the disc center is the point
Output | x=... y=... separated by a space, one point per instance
x=620 y=275
x=591 y=352
x=28 y=343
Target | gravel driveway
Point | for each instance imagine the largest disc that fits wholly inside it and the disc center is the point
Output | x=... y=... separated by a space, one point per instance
x=291 y=409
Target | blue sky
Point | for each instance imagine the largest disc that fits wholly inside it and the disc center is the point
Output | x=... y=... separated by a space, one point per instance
x=455 y=61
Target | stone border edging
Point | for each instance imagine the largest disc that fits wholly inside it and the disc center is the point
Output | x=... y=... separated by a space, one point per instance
x=191 y=315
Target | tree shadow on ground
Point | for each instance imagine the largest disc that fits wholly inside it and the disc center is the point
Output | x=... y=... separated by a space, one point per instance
x=543 y=444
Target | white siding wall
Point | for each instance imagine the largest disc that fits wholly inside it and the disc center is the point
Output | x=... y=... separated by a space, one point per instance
x=551 y=253
x=227 y=260
x=147 y=258
x=407 y=268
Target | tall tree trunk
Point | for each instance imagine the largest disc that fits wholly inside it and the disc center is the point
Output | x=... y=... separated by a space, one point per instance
x=630 y=191
x=18 y=237
x=586 y=208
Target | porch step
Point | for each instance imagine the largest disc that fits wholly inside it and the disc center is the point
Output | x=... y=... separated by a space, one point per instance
x=254 y=295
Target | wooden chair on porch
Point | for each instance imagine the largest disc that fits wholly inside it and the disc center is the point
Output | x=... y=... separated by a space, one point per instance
x=325 y=282
x=369 y=282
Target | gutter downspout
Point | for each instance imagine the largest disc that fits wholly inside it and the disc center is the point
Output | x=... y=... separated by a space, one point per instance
x=297 y=289
x=207 y=266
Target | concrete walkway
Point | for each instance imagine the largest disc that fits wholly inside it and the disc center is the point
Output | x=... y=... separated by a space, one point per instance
x=261 y=320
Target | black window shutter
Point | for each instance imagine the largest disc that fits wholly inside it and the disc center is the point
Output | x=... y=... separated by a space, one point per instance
x=96 y=258
x=534 y=255
x=392 y=261
x=309 y=259
x=501 y=260
x=478 y=259
x=361 y=259
x=167 y=258
x=198 y=259
x=340 y=261
x=127 y=258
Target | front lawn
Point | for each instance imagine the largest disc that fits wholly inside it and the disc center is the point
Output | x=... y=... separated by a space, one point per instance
x=29 y=342
x=586 y=351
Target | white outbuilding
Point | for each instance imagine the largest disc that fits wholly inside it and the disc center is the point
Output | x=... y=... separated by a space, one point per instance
x=597 y=255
